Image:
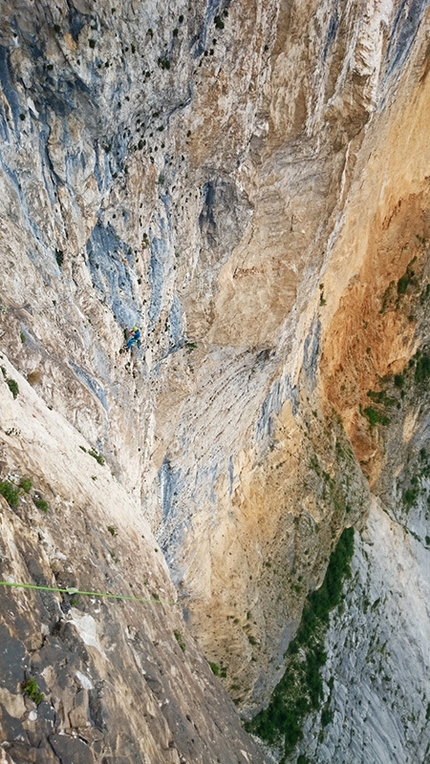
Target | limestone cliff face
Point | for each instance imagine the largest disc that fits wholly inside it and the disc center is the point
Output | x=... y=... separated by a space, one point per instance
x=114 y=680
x=248 y=183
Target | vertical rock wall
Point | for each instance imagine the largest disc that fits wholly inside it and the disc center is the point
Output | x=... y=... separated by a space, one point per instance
x=243 y=181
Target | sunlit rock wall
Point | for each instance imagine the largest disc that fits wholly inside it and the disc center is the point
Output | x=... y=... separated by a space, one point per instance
x=215 y=174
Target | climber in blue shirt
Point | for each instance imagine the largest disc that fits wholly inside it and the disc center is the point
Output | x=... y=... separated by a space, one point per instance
x=135 y=337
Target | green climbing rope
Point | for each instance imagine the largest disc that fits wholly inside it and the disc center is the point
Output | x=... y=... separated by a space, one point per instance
x=72 y=590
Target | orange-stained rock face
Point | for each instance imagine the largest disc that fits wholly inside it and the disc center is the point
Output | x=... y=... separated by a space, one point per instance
x=375 y=328
x=248 y=183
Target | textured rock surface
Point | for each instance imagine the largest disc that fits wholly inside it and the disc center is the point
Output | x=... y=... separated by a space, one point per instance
x=123 y=681
x=247 y=182
x=378 y=708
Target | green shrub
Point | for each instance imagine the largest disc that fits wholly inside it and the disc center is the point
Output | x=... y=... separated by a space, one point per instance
x=31 y=689
x=301 y=688
x=326 y=717
x=375 y=417
x=112 y=530
x=180 y=640
x=40 y=503
x=98 y=457
x=425 y=294
x=26 y=484
x=13 y=386
x=10 y=492
x=380 y=397
x=422 y=368
x=410 y=496
x=402 y=284
x=220 y=671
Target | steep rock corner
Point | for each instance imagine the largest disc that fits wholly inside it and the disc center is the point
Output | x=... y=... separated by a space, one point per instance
x=247 y=183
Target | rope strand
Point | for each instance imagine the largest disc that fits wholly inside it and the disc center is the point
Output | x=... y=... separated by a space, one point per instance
x=72 y=590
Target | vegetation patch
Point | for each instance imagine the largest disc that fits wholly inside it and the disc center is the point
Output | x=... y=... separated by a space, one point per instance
x=13 y=386
x=411 y=494
x=422 y=367
x=180 y=640
x=407 y=278
x=425 y=294
x=95 y=454
x=402 y=284
x=382 y=401
x=10 y=492
x=414 y=487
x=375 y=417
x=300 y=690
x=31 y=689
x=220 y=671
x=26 y=484
x=381 y=398
x=40 y=503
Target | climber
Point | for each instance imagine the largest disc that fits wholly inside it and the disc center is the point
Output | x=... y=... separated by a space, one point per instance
x=134 y=337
